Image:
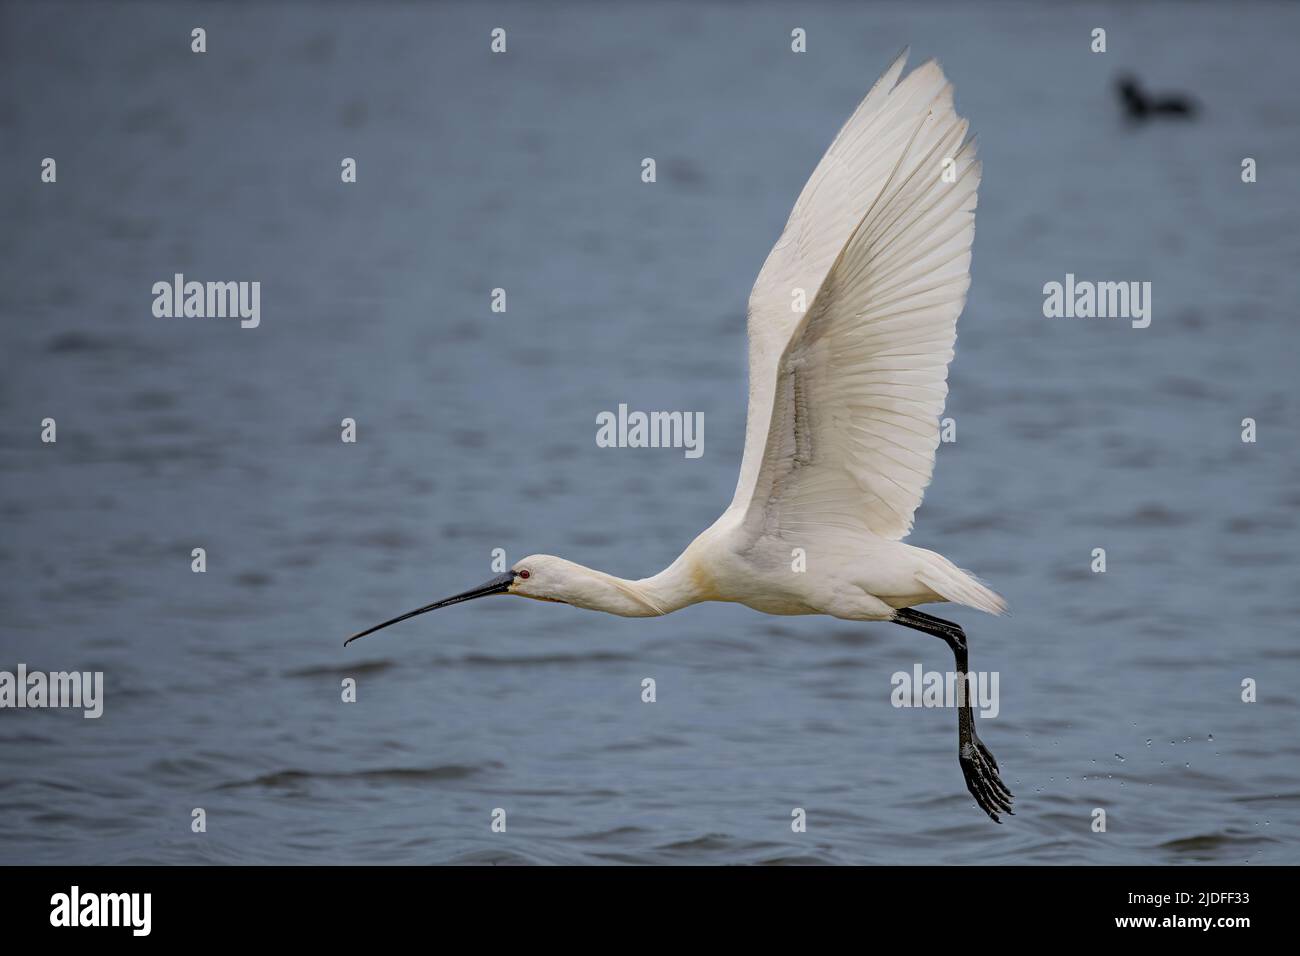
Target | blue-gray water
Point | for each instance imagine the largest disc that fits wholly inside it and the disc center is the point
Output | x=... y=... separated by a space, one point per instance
x=476 y=431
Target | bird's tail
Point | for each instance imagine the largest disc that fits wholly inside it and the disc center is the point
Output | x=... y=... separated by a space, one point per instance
x=958 y=586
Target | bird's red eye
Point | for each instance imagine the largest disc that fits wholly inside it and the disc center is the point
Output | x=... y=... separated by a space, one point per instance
x=525 y=575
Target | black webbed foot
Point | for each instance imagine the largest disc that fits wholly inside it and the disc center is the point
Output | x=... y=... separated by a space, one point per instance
x=981 y=772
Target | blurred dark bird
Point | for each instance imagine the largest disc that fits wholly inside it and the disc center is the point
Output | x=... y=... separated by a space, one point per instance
x=1139 y=105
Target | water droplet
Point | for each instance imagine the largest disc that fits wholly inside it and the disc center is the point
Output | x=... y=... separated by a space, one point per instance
x=1148 y=741
x=1119 y=757
x=1210 y=737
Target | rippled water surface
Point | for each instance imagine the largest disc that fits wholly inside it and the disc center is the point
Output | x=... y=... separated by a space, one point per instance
x=476 y=431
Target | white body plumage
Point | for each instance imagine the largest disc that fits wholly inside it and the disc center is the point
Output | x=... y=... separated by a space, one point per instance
x=845 y=398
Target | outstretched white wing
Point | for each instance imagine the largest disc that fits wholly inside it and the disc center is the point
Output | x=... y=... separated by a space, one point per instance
x=845 y=398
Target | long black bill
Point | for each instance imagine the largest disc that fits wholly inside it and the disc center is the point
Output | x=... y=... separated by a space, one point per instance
x=498 y=585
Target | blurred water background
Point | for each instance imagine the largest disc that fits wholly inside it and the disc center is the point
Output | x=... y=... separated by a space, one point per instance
x=477 y=431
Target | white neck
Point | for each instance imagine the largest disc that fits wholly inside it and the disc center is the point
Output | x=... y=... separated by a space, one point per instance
x=679 y=585
x=673 y=588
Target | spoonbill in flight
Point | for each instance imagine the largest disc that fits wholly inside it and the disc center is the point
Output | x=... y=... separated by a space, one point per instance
x=844 y=403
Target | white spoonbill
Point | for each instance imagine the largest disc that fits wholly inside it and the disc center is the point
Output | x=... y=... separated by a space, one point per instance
x=844 y=403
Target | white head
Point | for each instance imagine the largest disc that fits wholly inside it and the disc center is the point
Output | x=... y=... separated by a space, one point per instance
x=544 y=577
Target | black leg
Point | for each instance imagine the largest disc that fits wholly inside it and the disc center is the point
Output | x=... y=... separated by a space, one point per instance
x=977 y=763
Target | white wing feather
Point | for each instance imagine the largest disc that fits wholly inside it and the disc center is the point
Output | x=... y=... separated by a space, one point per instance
x=845 y=399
